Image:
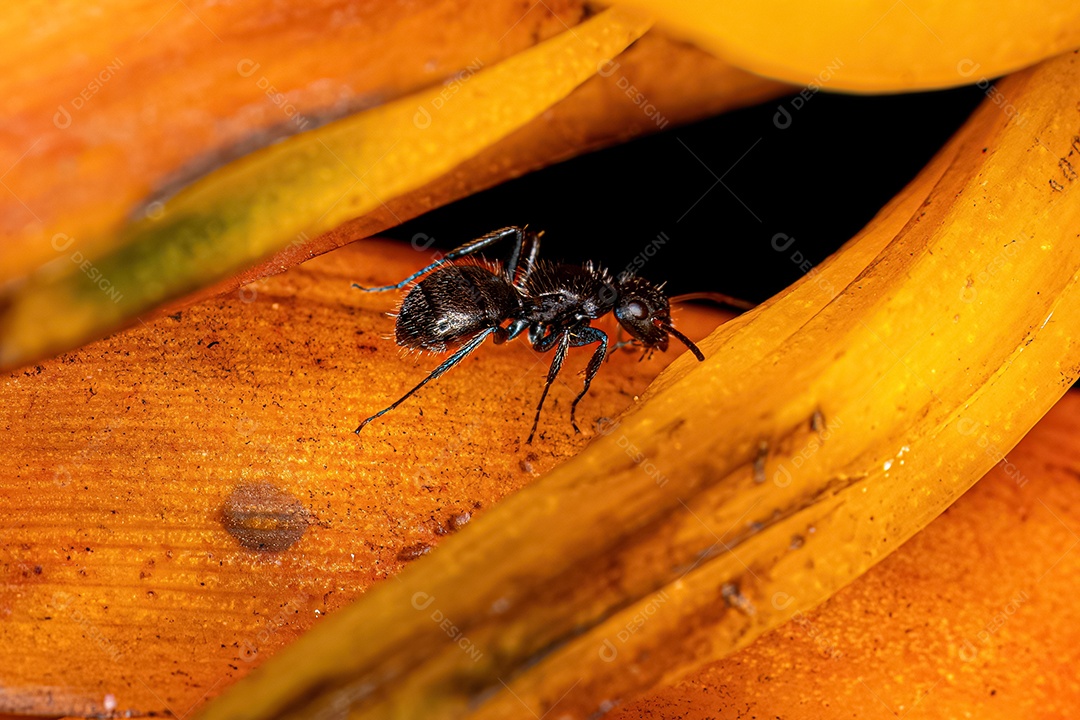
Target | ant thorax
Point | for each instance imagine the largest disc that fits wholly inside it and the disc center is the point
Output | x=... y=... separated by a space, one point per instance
x=558 y=293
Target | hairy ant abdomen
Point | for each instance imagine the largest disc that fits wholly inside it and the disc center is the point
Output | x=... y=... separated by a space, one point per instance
x=453 y=304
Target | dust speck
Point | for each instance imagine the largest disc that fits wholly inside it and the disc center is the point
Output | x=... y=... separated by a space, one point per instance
x=734 y=598
x=412 y=552
x=458 y=521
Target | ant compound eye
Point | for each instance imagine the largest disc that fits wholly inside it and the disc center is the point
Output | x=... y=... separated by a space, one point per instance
x=637 y=309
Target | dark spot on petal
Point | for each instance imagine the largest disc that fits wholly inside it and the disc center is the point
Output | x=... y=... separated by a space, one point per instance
x=263 y=517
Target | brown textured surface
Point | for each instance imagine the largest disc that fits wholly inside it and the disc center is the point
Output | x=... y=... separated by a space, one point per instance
x=117 y=575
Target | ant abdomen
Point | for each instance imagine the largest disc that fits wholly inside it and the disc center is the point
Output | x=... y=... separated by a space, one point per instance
x=453 y=304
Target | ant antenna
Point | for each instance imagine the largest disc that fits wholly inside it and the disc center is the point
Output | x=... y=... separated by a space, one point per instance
x=682 y=338
x=718 y=298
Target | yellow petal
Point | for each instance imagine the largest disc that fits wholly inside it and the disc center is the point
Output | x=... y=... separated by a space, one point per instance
x=876 y=46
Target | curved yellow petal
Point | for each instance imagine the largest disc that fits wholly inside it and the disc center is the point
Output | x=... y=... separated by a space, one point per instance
x=876 y=46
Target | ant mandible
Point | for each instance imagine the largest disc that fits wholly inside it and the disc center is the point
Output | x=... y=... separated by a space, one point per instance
x=461 y=304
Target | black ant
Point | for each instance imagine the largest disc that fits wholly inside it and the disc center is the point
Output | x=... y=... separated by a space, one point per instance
x=467 y=302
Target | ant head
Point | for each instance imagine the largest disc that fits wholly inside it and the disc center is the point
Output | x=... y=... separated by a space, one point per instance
x=644 y=312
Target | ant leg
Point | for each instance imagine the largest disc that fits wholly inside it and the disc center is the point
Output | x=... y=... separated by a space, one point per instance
x=584 y=337
x=544 y=345
x=529 y=248
x=511 y=331
x=619 y=343
x=542 y=337
x=450 y=362
x=467 y=249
